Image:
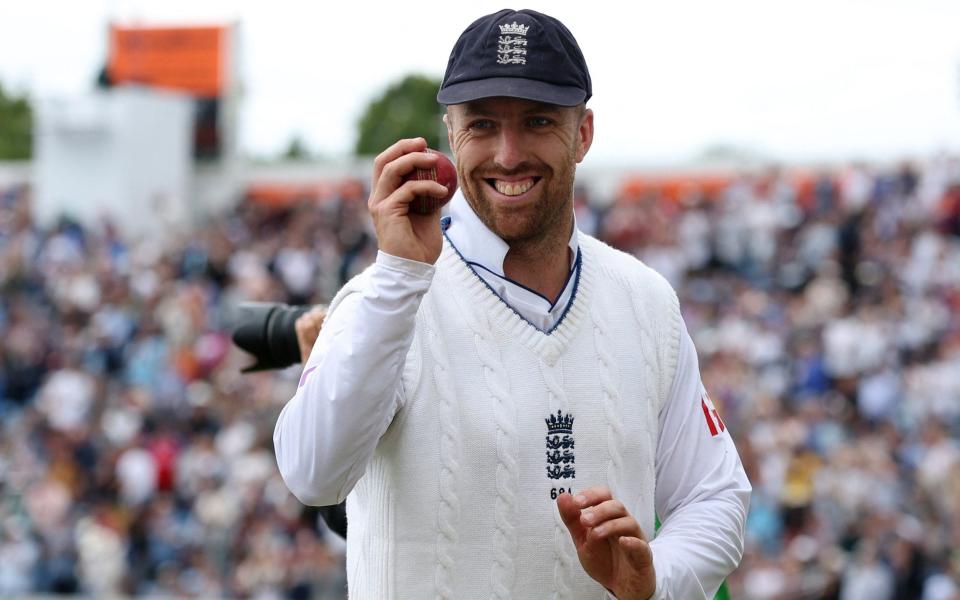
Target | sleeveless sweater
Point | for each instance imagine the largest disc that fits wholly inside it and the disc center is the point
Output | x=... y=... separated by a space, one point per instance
x=499 y=418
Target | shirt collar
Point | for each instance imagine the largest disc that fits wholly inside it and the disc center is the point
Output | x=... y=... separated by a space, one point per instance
x=476 y=243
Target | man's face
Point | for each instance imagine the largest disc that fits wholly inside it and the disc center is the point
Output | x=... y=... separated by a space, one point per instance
x=516 y=161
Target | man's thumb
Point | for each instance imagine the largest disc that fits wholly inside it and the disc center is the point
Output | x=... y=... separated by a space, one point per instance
x=638 y=552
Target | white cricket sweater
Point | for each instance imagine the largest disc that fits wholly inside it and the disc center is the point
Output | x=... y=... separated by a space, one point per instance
x=457 y=500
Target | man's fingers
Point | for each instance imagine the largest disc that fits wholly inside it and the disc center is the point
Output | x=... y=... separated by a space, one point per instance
x=311 y=323
x=305 y=340
x=394 y=172
x=642 y=582
x=317 y=313
x=394 y=152
x=593 y=496
x=616 y=527
x=307 y=328
x=401 y=198
x=638 y=552
x=313 y=317
x=606 y=510
x=570 y=513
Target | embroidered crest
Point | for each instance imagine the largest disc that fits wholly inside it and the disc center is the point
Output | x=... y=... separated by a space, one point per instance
x=512 y=44
x=560 y=457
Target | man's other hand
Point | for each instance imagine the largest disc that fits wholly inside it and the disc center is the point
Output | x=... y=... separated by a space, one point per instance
x=308 y=327
x=610 y=543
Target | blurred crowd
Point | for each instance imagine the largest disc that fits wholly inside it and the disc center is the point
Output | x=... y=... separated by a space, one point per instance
x=827 y=321
x=136 y=458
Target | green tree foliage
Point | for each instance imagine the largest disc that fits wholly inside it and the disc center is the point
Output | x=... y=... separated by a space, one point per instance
x=406 y=109
x=296 y=149
x=16 y=127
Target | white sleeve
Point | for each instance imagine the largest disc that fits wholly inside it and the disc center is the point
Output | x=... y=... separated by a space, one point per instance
x=702 y=492
x=351 y=385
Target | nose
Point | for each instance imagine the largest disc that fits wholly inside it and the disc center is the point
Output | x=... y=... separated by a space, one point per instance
x=510 y=151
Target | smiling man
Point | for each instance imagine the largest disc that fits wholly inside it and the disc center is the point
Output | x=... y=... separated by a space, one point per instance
x=506 y=403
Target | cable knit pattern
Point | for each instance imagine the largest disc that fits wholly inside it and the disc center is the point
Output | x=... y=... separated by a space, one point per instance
x=659 y=352
x=650 y=363
x=373 y=499
x=669 y=341
x=647 y=346
x=657 y=317
x=505 y=511
x=497 y=381
x=611 y=403
x=448 y=516
x=564 y=559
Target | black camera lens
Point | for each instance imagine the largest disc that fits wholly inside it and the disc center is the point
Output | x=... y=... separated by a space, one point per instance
x=266 y=330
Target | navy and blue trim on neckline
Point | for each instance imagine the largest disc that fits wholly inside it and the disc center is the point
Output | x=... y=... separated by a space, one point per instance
x=531 y=290
x=575 y=272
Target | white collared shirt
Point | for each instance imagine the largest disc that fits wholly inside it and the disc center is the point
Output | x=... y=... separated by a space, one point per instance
x=485 y=252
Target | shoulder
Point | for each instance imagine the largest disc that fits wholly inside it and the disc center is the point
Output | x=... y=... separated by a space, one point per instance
x=649 y=296
x=624 y=269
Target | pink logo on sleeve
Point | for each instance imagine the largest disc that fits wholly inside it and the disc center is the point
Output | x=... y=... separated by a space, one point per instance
x=303 y=378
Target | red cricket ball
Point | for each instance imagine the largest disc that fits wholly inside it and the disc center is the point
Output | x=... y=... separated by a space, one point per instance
x=443 y=173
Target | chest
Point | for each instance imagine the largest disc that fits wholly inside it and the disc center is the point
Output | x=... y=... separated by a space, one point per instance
x=563 y=413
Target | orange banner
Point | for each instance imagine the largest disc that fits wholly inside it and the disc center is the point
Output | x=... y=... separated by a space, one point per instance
x=674 y=187
x=188 y=59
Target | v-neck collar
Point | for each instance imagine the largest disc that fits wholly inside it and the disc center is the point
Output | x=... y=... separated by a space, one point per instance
x=548 y=344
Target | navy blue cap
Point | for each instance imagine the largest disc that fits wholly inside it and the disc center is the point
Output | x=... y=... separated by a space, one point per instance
x=518 y=54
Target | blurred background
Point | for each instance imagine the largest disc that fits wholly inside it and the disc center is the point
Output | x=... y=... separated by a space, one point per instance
x=794 y=171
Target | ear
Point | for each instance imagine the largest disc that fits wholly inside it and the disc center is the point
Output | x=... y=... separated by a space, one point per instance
x=585 y=135
x=446 y=121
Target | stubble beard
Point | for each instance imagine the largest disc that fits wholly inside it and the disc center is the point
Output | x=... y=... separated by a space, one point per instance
x=544 y=223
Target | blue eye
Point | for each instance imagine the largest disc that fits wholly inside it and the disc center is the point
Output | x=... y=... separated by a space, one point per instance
x=482 y=124
x=539 y=121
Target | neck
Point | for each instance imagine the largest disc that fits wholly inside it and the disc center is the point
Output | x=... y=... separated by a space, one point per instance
x=541 y=267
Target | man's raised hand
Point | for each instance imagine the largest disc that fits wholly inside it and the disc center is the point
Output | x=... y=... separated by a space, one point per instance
x=400 y=231
x=609 y=542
